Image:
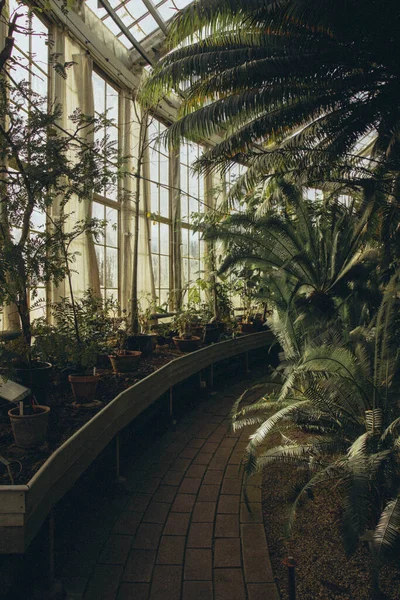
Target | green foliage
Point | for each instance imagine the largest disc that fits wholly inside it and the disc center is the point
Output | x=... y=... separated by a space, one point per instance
x=319 y=254
x=343 y=394
x=43 y=166
x=98 y=321
x=289 y=86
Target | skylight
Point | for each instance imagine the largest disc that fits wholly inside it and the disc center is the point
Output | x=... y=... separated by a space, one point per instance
x=141 y=17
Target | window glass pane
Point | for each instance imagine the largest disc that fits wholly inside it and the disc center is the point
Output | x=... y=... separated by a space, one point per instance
x=163 y=296
x=164 y=271
x=185 y=242
x=194 y=245
x=194 y=186
x=154 y=197
x=194 y=270
x=164 y=202
x=155 y=260
x=112 y=227
x=184 y=174
x=185 y=271
x=39 y=81
x=112 y=103
x=40 y=48
x=98 y=213
x=193 y=206
x=111 y=268
x=193 y=153
x=99 y=93
x=154 y=237
x=164 y=238
x=100 y=262
x=163 y=169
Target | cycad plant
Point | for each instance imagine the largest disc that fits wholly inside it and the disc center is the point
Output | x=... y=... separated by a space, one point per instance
x=345 y=398
x=322 y=252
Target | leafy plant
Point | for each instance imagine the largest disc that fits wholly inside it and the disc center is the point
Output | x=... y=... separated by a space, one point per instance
x=289 y=86
x=185 y=320
x=98 y=322
x=345 y=398
x=42 y=165
x=322 y=253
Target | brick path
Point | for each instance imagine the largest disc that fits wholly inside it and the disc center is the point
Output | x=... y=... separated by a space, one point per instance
x=182 y=531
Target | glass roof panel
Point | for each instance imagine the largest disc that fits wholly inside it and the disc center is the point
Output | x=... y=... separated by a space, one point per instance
x=135 y=14
x=167 y=9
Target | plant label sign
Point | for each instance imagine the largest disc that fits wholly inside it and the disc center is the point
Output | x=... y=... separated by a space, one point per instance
x=12 y=391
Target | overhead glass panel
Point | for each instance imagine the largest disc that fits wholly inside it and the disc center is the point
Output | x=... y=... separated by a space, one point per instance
x=136 y=16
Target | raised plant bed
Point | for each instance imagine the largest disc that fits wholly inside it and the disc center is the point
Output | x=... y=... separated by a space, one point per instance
x=23 y=508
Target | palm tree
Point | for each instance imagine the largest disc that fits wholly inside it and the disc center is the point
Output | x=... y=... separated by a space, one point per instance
x=302 y=86
x=345 y=398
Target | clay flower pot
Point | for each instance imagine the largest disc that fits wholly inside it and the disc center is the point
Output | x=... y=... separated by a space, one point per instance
x=187 y=344
x=29 y=430
x=247 y=328
x=84 y=389
x=125 y=363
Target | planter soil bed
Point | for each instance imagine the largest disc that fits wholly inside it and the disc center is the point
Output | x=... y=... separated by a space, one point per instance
x=65 y=420
x=77 y=437
x=323 y=571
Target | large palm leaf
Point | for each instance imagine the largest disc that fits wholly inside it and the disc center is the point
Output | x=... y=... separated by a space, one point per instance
x=292 y=76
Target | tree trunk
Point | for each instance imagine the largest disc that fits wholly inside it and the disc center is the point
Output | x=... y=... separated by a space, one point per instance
x=134 y=317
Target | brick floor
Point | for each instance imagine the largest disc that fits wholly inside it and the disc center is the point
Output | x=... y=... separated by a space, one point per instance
x=181 y=530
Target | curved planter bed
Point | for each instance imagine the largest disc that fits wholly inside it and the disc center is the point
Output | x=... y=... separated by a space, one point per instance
x=23 y=508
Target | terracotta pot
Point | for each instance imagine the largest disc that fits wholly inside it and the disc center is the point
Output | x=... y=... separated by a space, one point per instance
x=247 y=328
x=83 y=387
x=197 y=331
x=29 y=430
x=187 y=345
x=212 y=333
x=143 y=343
x=125 y=363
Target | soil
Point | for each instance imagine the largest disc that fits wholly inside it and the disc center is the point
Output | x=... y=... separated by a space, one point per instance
x=323 y=572
x=65 y=419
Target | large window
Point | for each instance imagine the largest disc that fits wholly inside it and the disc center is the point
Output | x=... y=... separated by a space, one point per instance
x=106 y=99
x=160 y=209
x=105 y=206
x=192 y=201
x=31 y=64
x=106 y=247
x=31 y=51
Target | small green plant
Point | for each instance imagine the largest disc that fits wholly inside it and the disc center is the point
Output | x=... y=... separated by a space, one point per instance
x=98 y=323
x=185 y=320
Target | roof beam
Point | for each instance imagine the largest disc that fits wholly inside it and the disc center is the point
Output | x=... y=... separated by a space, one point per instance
x=156 y=15
x=105 y=4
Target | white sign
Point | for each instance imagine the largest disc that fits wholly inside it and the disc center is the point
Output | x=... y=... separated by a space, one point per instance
x=12 y=391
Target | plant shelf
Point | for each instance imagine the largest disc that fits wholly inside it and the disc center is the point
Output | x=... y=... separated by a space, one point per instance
x=23 y=508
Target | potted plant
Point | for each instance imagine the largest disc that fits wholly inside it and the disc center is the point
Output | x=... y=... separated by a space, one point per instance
x=183 y=322
x=123 y=360
x=29 y=423
x=143 y=340
x=79 y=333
x=246 y=287
x=163 y=333
x=41 y=165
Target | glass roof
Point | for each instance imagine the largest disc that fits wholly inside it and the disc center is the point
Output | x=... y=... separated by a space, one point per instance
x=141 y=17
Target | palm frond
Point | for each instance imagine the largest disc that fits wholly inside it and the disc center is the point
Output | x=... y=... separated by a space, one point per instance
x=387 y=531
